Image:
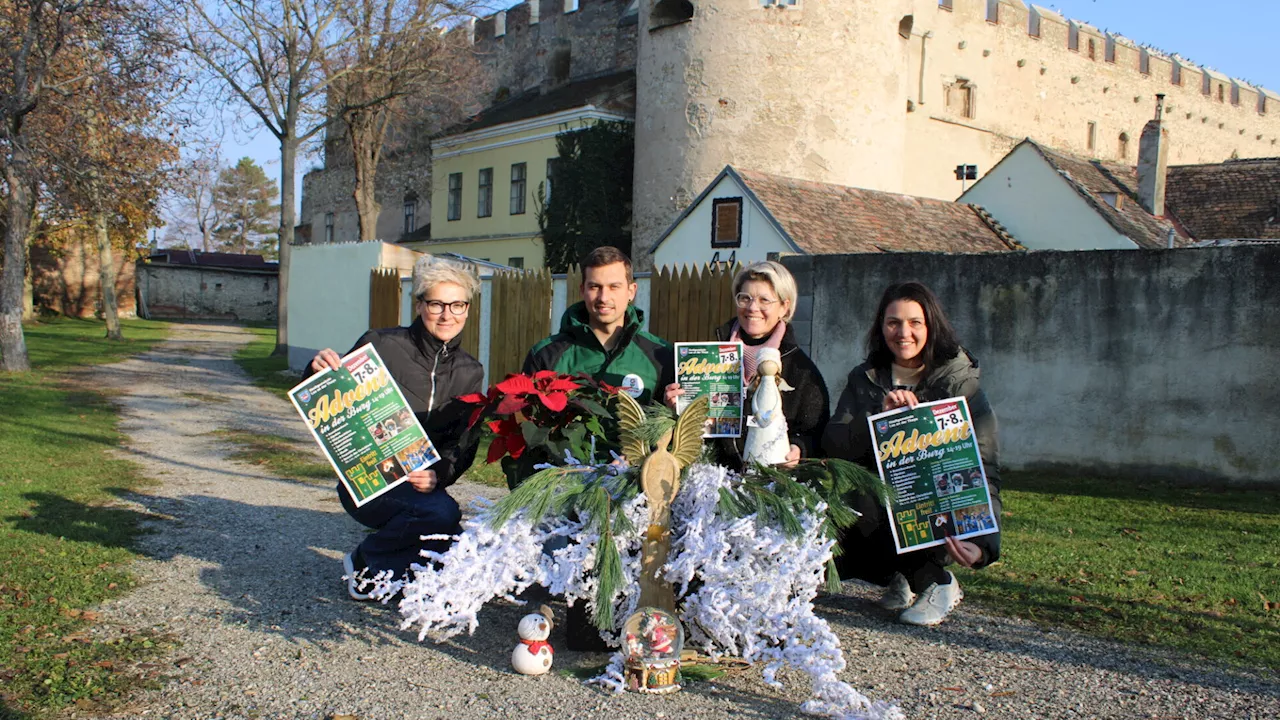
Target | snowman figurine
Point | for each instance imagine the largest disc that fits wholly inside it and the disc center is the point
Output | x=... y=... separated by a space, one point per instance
x=533 y=655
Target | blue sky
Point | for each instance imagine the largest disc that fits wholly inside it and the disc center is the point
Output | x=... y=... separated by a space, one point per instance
x=1235 y=37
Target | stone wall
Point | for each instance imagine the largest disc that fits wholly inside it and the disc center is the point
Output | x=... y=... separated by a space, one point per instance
x=1130 y=362
x=66 y=280
x=330 y=190
x=194 y=292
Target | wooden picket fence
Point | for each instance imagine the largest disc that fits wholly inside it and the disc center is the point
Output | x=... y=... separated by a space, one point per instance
x=520 y=317
x=688 y=304
x=384 y=298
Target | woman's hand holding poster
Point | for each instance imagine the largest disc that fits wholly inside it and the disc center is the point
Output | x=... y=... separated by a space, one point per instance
x=715 y=369
x=928 y=458
x=364 y=425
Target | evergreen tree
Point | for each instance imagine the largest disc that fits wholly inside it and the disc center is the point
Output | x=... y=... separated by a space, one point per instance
x=590 y=203
x=246 y=204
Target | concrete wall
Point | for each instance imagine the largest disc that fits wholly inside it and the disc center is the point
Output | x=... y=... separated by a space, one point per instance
x=1135 y=362
x=329 y=297
x=1041 y=209
x=690 y=242
x=185 y=291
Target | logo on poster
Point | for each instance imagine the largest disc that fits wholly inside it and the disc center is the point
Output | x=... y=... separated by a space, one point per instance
x=882 y=426
x=304 y=396
x=633 y=385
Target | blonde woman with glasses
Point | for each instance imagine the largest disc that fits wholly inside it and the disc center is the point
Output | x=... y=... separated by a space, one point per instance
x=432 y=370
x=764 y=296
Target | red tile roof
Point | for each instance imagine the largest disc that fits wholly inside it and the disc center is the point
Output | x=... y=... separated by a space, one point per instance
x=1237 y=199
x=823 y=219
x=1094 y=180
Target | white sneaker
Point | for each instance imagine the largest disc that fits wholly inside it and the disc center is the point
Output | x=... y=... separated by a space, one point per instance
x=352 y=577
x=898 y=595
x=934 y=604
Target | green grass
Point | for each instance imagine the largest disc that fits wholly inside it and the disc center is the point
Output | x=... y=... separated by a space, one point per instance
x=267 y=370
x=281 y=456
x=1192 y=569
x=486 y=474
x=62 y=541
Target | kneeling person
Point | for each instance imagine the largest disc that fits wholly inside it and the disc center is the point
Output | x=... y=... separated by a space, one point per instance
x=432 y=370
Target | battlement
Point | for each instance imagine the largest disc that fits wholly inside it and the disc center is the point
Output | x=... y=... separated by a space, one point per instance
x=1040 y=24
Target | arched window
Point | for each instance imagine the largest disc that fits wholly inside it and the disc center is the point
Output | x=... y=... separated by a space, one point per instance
x=1124 y=146
x=670 y=12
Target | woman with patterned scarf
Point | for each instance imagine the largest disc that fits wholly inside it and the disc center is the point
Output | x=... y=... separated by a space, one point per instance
x=764 y=294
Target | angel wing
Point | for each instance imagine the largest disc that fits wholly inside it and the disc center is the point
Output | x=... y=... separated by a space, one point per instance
x=687 y=440
x=630 y=418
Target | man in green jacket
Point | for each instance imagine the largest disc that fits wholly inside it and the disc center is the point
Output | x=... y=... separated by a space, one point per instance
x=602 y=336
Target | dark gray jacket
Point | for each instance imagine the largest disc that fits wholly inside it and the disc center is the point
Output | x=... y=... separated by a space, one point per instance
x=848 y=436
x=432 y=374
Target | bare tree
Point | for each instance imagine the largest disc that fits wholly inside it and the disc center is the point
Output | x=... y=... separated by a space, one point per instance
x=196 y=201
x=268 y=55
x=399 y=53
x=46 y=51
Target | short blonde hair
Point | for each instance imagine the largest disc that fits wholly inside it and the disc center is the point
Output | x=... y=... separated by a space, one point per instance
x=778 y=277
x=430 y=271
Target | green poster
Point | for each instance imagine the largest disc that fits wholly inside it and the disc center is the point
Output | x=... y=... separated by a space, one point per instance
x=714 y=369
x=364 y=425
x=928 y=457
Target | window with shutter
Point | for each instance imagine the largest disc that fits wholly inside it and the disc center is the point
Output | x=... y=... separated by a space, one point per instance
x=726 y=223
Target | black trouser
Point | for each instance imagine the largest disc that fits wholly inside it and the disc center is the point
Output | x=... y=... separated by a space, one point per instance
x=869 y=553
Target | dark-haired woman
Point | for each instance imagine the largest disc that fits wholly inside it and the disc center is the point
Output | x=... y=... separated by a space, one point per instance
x=913 y=357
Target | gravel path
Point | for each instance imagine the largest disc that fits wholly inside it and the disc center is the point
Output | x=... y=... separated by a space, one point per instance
x=243 y=569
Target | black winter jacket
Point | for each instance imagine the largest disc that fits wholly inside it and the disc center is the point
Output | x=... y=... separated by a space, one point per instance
x=848 y=436
x=432 y=375
x=805 y=407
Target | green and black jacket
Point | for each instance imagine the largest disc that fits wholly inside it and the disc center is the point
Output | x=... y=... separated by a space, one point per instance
x=639 y=360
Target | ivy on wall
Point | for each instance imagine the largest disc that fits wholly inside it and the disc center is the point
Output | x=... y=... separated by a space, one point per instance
x=590 y=198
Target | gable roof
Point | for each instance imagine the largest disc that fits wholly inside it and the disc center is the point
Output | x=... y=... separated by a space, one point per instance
x=1093 y=179
x=1236 y=199
x=822 y=218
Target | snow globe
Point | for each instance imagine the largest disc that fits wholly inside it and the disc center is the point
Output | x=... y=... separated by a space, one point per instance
x=651 y=643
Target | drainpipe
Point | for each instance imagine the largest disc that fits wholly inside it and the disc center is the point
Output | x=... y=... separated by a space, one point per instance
x=924 y=40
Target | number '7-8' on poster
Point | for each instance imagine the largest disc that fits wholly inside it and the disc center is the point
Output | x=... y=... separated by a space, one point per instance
x=364 y=425
x=929 y=460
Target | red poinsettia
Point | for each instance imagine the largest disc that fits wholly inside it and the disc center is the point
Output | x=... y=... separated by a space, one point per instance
x=547 y=412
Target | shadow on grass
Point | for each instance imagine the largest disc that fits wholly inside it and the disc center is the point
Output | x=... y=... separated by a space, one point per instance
x=1263 y=500
x=1043 y=645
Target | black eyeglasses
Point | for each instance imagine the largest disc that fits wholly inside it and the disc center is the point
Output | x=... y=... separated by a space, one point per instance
x=436 y=307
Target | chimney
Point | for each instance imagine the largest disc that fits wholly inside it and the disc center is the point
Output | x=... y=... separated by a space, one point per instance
x=1153 y=162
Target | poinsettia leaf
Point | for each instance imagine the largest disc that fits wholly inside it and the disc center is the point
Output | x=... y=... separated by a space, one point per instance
x=592 y=407
x=495 y=426
x=611 y=389
x=473 y=398
x=515 y=445
x=556 y=401
x=562 y=385
x=497 y=449
x=511 y=405
x=533 y=435
x=544 y=374
x=475 y=416
x=516 y=385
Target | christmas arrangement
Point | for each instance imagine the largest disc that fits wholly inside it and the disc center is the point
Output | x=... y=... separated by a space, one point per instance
x=644 y=530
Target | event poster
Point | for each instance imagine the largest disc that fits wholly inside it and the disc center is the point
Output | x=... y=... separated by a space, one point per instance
x=715 y=369
x=364 y=425
x=928 y=457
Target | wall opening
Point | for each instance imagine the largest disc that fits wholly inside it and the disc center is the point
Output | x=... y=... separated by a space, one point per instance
x=1033 y=23
x=726 y=222
x=1091 y=142
x=1073 y=37
x=1144 y=62
x=905 y=25
x=1176 y=76
x=993 y=11
x=1110 y=53
x=944 y=4
x=666 y=13
x=1123 y=148
x=959 y=98
x=1093 y=49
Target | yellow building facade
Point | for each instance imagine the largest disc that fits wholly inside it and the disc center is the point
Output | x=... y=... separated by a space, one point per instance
x=486 y=183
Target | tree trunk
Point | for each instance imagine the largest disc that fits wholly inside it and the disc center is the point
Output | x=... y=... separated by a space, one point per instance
x=107 y=277
x=288 y=167
x=206 y=236
x=366 y=131
x=13 y=345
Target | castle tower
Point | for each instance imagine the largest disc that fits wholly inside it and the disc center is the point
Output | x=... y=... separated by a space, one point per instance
x=802 y=88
